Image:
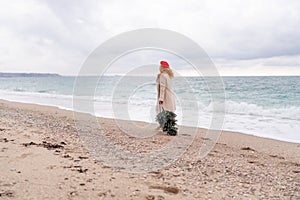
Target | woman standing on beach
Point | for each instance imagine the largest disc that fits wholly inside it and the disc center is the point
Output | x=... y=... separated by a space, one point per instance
x=165 y=97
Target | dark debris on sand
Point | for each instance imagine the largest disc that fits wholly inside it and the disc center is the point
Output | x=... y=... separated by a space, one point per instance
x=45 y=144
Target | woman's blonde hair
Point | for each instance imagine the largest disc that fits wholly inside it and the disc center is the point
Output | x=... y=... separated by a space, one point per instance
x=168 y=70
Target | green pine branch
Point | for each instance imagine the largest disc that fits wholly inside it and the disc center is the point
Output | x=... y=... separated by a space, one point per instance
x=167 y=122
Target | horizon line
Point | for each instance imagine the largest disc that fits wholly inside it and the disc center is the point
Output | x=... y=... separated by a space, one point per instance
x=143 y=75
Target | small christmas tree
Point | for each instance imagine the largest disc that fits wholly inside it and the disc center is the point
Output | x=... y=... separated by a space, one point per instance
x=167 y=122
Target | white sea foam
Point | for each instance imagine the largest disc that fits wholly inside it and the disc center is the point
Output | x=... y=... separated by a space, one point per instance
x=243 y=108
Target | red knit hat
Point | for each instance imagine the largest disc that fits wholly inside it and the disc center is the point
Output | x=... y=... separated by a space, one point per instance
x=164 y=64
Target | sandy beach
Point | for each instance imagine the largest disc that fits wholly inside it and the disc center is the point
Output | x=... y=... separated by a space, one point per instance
x=42 y=157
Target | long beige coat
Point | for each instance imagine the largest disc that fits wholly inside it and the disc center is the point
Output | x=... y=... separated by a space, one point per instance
x=165 y=93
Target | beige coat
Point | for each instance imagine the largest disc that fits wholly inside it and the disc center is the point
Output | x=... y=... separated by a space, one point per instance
x=165 y=93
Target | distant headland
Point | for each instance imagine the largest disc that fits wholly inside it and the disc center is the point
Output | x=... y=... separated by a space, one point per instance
x=3 y=74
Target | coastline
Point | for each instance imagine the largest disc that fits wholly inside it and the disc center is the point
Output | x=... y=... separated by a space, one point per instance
x=69 y=108
x=240 y=165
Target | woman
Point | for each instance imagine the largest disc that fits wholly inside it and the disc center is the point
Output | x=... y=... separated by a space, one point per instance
x=165 y=97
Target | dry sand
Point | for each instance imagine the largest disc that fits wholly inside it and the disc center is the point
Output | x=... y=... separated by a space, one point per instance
x=42 y=157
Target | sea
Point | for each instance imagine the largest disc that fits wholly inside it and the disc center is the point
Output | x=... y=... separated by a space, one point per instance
x=264 y=106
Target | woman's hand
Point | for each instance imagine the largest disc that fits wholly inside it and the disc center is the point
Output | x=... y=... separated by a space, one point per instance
x=161 y=102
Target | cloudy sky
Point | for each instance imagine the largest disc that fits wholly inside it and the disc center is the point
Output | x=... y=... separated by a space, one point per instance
x=250 y=37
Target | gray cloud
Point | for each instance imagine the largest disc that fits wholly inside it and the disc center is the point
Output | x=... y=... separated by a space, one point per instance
x=57 y=36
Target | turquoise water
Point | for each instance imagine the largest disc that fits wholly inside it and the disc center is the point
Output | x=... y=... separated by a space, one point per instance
x=263 y=106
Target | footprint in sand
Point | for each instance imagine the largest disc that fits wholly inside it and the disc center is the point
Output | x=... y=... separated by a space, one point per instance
x=7 y=194
x=152 y=197
x=247 y=149
x=167 y=189
x=24 y=155
x=276 y=156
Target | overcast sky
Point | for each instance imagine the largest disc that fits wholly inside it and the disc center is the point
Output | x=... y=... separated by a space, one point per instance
x=254 y=37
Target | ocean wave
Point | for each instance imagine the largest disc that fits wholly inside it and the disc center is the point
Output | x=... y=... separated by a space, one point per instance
x=19 y=90
x=45 y=91
x=230 y=107
x=34 y=94
x=244 y=108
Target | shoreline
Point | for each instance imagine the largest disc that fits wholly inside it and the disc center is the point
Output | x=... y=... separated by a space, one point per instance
x=42 y=157
x=224 y=130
